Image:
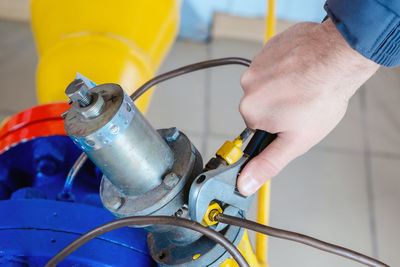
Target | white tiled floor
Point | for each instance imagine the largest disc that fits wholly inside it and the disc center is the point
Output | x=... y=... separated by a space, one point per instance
x=17 y=67
x=321 y=194
x=383 y=98
x=347 y=136
x=180 y=101
x=224 y=87
x=386 y=184
x=346 y=190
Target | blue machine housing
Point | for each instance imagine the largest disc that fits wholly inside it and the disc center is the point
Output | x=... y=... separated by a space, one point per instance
x=36 y=221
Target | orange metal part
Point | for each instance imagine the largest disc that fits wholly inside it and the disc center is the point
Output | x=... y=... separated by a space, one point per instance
x=43 y=120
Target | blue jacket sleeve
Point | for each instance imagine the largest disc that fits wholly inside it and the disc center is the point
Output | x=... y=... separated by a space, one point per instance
x=372 y=27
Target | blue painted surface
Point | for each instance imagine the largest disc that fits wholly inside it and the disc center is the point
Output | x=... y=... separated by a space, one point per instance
x=43 y=164
x=197 y=15
x=34 y=225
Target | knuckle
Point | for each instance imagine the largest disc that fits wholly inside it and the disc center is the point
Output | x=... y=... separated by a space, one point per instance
x=246 y=109
x=245 y=79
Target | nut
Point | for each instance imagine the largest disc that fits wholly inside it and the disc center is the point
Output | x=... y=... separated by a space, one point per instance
x=77 y=91
x=171 y=179
x=172 y=134
x=115 y=203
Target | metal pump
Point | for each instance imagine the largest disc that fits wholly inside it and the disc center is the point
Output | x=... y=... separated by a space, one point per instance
x=146 y=172
x=107 y=126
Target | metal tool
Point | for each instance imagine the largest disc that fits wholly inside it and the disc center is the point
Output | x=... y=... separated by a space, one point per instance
x=219 y=185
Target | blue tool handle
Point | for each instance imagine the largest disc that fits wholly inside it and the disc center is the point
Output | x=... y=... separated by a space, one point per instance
x=260 y=140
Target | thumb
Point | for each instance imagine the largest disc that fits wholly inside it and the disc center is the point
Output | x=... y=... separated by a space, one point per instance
x=267 y=165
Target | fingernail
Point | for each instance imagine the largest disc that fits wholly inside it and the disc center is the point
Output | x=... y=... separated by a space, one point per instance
x=250 y=185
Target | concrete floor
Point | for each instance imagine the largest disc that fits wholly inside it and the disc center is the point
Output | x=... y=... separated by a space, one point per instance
x=345 y=190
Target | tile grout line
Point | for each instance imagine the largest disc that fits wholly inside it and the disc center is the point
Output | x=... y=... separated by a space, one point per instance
x=207 y=98
x=368 y=173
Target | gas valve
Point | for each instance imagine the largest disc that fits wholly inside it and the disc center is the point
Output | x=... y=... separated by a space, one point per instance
x=146 y=172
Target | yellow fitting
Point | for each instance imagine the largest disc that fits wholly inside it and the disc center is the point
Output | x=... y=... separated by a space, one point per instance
x=230 y=151
x=213 y=210
x=195 y=257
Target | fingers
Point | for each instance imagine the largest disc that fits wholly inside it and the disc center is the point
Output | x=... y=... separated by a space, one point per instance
x=267 y=165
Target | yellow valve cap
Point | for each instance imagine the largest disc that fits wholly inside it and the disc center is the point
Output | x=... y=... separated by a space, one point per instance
x=212 y=207
x=230 y=151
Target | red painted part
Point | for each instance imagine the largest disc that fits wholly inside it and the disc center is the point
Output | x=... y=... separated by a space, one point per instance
x=42 y=120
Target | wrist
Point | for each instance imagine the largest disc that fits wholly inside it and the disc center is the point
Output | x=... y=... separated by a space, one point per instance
x=347 y=61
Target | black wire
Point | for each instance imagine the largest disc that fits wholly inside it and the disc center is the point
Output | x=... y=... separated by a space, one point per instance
x=189 y=68
x=296 y=237
x=145 y=220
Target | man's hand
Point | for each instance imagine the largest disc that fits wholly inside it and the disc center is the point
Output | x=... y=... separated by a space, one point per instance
x=298 y=86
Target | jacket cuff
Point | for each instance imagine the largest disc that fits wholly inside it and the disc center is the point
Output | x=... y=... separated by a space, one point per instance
x=368 y=27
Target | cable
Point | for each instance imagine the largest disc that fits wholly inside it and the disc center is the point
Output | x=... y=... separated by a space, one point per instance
x=72 y=174
x=296 y=237
x=144 y=220
x=166 y=76
x=189 y=68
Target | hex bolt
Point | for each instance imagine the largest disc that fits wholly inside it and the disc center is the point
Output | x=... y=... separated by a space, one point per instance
x=47 y=166
x=114 y=129
x=178 y=213
x=77 y=91
x=213 y=214
x=64 y=114
x=172 y=134
x=94 y=109
x=171 y=179
x=115 y=203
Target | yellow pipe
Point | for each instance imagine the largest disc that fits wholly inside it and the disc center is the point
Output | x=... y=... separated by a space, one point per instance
x=270 y=20
x=246 y=250
x=121 y=41
x=265 y=191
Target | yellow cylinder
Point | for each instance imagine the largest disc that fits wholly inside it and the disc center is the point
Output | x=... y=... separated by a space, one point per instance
x=121 y=41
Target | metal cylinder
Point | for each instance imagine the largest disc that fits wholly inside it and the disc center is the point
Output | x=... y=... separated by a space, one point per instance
x=120 y=141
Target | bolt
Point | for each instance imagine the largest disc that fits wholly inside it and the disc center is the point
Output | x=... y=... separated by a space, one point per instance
x=95 y=108
x=178 y=213
x=212 y=216
x=46 y=166
x=171 y=134
x=128 y=108
x=90 y=142
x=171 y=179
x=114 y=129
x=77 y=91
x=115 y=203
x=64 y=114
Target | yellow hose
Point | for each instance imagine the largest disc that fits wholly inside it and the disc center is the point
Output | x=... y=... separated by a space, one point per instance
x=264 y=192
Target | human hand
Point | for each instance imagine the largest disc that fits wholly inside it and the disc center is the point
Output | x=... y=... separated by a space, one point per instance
x=298 y=86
